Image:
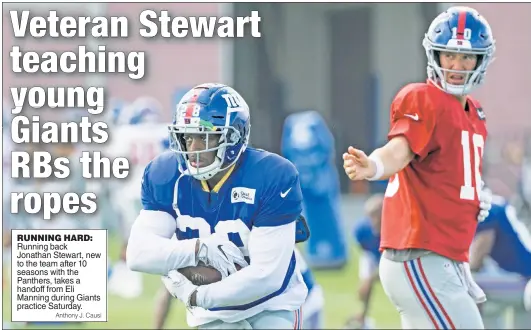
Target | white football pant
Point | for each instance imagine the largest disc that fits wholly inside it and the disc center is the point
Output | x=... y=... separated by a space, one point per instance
x=430 y=292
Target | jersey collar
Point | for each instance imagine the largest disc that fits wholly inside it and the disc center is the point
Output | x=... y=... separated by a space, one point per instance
x=217 y=187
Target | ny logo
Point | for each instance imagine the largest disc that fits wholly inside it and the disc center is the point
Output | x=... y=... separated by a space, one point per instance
x=234 y=101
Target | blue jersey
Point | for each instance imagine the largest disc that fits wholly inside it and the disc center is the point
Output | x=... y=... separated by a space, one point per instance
x=367 y=240
x=263 y=190
x=512 y=245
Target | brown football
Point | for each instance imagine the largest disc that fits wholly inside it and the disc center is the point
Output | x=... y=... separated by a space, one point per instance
x=202 y=274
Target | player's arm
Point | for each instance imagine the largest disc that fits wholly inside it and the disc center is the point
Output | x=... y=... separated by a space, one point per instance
x=150 y=248
x=410 y=137
x=394 y=155
x=264 y=276
x=482 y=245
x=412 y=125
x=271 y=248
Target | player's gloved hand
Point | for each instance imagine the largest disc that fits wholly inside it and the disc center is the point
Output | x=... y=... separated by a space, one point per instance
x=218 y=252
x=485 y=202
x=179 y=286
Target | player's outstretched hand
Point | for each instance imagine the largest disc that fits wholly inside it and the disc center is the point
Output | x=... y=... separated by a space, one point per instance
x=357 y=165
x=220 y=253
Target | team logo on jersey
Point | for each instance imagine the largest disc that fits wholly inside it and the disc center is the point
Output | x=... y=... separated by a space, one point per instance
x=242 y=195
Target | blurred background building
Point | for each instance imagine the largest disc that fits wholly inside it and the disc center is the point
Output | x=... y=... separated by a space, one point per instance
x=346 y=61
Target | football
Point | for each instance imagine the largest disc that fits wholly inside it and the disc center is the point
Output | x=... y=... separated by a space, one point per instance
x=202 y=274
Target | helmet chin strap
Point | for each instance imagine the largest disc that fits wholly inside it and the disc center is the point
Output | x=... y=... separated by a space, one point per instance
x=437 y=75
x=208 y=172
x=457 y=90
x=205 y=172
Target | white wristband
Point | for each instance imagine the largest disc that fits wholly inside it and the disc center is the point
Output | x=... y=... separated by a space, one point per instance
x=379 y=168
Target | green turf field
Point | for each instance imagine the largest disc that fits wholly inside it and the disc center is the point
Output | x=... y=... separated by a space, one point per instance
x=340 y=303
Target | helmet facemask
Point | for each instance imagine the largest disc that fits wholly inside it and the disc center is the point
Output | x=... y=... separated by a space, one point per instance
x=473 y=78
x=226 y=136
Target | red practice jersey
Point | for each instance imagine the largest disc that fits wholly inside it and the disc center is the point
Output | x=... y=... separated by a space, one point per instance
x=433 y=203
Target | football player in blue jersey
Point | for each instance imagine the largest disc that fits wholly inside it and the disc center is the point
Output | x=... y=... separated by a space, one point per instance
x=367 y=237
x=227 y=204
x=500 y=256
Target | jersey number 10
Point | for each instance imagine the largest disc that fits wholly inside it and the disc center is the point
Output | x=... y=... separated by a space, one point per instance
x=478 y=145
x=467 y=191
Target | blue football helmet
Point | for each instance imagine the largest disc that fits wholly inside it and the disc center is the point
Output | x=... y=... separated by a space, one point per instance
x=145 y=110
x=219 y=112
x=460 y=30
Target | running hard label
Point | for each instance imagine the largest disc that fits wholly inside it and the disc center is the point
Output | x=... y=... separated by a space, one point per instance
x=59 y=275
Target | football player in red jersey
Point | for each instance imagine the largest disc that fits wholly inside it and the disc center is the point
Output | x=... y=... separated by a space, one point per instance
x=434 y=161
